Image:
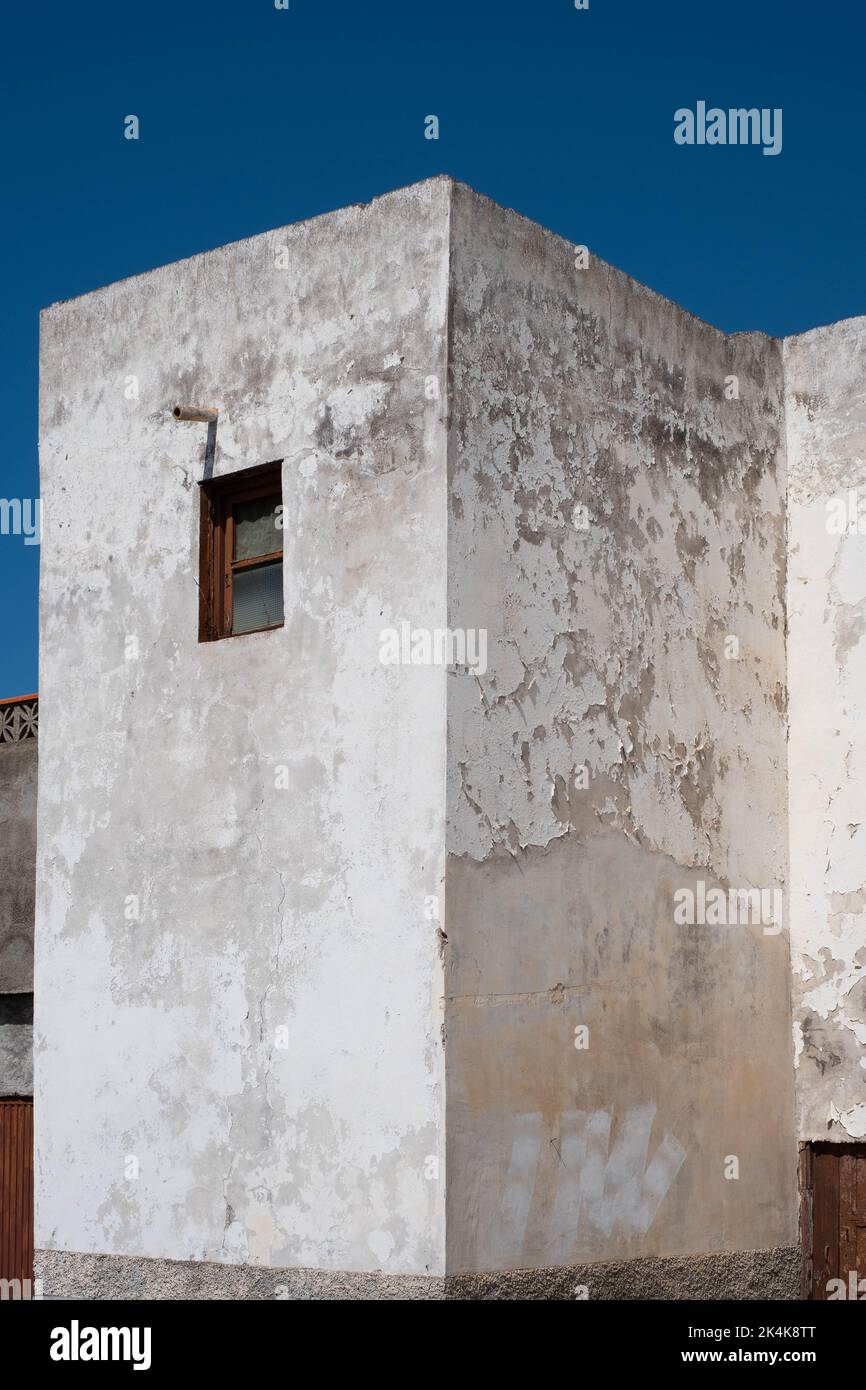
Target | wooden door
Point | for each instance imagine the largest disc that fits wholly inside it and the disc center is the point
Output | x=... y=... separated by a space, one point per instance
x=833 y=1183
x=16 y=1190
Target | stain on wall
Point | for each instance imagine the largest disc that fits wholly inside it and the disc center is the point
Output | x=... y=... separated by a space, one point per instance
x=612 y=754
x=596 y=479
x=825 y=371
x=176 y=1120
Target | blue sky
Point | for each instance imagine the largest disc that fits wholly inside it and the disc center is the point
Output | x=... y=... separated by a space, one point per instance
x=253 y=117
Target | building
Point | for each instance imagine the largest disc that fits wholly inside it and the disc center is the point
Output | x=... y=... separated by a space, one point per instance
x=450 y=777
x=19 y=721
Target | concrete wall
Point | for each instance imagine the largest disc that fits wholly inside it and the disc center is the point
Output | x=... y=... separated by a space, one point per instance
x=16 y=1045
x=18 y=765
x=825 y=372
x=607 y=650
x=170 y=1123
x=18 y=768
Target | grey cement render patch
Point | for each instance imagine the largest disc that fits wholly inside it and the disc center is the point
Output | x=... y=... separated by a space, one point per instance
x=16 y=1059
x=726 y=1276
x=18 y=764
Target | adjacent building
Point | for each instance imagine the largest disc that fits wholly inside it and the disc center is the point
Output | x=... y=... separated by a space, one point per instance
x=19 y=719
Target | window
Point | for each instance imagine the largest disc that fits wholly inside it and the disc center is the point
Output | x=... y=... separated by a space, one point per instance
x=16 y=1009
x=241 y=553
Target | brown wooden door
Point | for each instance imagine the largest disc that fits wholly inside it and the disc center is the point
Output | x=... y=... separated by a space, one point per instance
x=834 y=1220
x=16 y=1189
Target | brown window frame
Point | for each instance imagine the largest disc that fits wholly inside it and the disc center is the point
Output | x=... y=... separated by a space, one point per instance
x=219 y=497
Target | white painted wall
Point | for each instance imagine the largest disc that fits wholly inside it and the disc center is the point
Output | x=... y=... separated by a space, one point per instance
x=607 y=651
x=259 y=908
x=155 y=1040
x=825 y=379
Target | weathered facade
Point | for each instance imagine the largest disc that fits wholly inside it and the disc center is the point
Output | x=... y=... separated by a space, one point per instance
x=18 y=767
x=825 y=381
x=200 y=907
x=19 y=717
x=359 y=979
x=606 y=653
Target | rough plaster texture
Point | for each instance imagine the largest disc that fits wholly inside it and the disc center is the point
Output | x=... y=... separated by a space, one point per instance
x=18 y=764
x=825 y=372
x=609 y=650
x=752 y=1274
x=259 y=908
x=606 y=650
x=721 y=1277
x=66 y=1274
x=16 y=1059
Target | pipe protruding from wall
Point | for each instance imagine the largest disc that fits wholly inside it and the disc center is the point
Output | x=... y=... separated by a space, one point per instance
x=205 y=413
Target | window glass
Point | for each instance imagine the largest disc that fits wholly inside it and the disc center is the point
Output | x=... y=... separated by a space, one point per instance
x=257 y=597
x=256 y=530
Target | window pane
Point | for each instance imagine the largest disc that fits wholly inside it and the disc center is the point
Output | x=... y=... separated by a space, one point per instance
x=256 y=530
x=257 y=597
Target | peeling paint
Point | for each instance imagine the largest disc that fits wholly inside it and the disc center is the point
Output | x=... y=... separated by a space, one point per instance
x=671 y=696
x=826 y=445
x=607 y=657
x=261 y=909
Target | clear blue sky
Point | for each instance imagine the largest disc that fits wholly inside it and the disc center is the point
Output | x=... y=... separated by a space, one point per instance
x=253 y=117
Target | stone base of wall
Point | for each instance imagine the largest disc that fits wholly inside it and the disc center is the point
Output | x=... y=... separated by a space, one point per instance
x=728 y=1275
x=66 y=1274
x=737 y=1275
